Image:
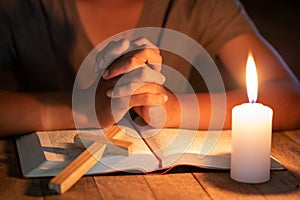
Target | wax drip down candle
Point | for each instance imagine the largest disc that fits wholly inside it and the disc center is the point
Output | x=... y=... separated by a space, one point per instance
x=251 y=134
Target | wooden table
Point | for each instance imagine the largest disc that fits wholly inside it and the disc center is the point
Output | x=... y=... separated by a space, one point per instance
x=191 y=184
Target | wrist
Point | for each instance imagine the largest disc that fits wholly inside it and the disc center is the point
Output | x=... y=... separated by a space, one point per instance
x=173 y=111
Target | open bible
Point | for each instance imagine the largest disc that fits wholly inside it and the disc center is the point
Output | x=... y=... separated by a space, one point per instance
x=46 y=153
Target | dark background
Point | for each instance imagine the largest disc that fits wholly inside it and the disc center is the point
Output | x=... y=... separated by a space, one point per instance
x=279 y=22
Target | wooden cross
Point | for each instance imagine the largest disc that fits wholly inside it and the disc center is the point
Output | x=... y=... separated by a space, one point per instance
x=87 y=159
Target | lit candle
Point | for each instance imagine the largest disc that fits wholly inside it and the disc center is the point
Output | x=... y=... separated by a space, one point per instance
x=251 y=135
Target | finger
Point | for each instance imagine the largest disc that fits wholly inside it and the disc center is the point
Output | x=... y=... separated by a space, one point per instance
x=142 y=75
x=121 y=105
x=150 y=56
x=133 y=89
x=134 y=80
x=142 y=41
x=110 y=53
x=155 y=115
x=147 y=100
x=123 y=66
x=133 y=61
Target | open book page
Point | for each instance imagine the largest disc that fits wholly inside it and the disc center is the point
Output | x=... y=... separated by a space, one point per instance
x=190 y=147
x=47 y=153
x=206 y=149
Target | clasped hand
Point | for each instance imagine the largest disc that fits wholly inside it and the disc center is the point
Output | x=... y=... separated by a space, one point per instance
x=131 y=78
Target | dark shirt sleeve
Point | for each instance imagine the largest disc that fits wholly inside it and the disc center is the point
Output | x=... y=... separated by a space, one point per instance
x=7 y=54
x=7 y=49
x=36 y=42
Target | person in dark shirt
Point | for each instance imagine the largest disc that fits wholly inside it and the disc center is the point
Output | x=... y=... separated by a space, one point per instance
x=43 y=43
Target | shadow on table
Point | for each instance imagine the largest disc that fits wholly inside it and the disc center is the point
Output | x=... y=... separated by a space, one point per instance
x=12 y=160
x=281 y=182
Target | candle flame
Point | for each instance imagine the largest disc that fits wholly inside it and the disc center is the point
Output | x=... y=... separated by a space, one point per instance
x=251 y=79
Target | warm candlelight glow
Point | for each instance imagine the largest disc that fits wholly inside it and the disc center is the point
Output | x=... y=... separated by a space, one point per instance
x=251 y=79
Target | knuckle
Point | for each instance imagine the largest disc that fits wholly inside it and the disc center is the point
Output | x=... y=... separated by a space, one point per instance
x=124 y=42
x=142 y=41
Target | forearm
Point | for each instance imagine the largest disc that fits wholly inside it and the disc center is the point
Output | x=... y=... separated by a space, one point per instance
x=26 y=112
x=209 y=111
x=282 y=96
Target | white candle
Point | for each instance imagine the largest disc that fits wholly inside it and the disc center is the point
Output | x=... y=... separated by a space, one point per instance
x=251 y=135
